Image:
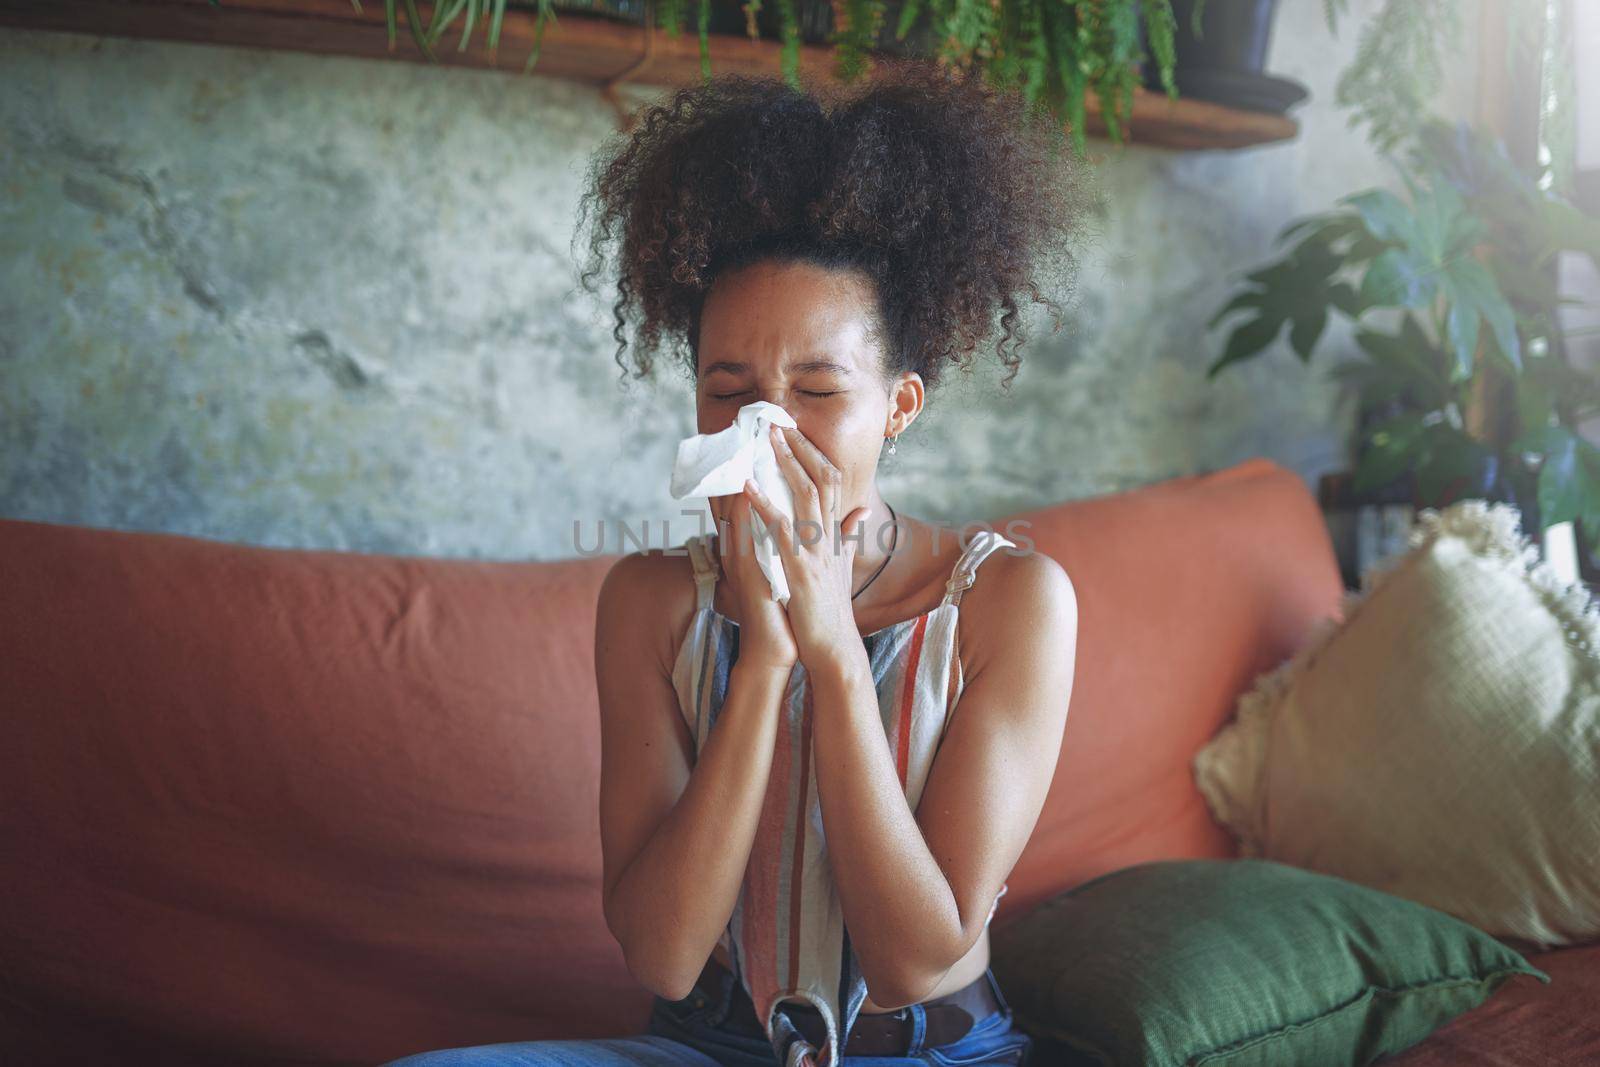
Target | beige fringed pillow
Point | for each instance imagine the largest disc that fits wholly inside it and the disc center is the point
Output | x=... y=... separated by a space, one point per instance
x=1442 y=743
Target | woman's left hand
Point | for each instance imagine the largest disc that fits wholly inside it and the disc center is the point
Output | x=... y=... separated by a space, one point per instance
x=817 y=559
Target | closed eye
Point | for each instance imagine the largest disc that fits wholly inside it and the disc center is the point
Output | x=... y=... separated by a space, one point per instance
x=730 y=396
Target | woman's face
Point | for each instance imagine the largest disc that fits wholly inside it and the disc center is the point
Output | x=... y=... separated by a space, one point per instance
x=796 y=335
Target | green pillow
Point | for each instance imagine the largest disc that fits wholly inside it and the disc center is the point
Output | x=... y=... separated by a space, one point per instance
x=1223 y=963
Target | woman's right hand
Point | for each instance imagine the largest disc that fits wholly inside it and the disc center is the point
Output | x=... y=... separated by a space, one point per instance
x=765 y=639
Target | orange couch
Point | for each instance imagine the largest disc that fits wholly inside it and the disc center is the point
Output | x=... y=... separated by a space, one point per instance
x=269 y=806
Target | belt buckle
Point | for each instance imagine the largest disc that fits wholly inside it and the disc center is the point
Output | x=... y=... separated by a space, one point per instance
x=945 y=1023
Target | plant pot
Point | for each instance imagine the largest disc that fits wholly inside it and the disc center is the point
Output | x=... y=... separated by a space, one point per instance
x=1364 y=527
x=1225 y=63
x=814 y=20
x=1235 y=34
x=631 y=11
x=1494 y=480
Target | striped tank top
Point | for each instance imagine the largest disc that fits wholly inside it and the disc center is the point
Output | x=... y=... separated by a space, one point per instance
x=786 y=936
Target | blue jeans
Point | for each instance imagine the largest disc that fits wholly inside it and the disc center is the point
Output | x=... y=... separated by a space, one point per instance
x=702 y=1030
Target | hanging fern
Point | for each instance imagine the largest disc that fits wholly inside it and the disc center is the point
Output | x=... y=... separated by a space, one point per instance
x=705 y=40
x=669 y=16
x=1397 y=70
x=1056 y=52
x=789 y=33
x=1401 y=58
x=856 y=26
x=1162 y=29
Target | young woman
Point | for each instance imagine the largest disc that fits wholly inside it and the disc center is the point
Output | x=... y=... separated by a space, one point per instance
x=808 y=810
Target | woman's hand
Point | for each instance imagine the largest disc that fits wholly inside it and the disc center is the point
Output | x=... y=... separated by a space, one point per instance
x=765 y=639
x=817 y=559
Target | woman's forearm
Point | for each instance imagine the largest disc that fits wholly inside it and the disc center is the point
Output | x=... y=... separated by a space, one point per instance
x=674 y=899
x=903 y=918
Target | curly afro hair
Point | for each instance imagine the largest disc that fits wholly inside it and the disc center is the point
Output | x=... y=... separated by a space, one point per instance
x=952 y=197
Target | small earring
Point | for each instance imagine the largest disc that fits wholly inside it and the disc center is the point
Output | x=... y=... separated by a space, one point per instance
x=891 y=443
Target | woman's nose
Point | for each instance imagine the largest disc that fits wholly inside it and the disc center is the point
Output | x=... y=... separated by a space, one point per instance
x=776 y=396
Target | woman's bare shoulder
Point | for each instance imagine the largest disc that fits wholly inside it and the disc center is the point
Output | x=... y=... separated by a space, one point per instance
x=1018 y=594
x=648 y=595
x=652 y=572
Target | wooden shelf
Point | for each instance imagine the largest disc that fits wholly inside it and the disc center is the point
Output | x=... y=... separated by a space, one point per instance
x=580 y=47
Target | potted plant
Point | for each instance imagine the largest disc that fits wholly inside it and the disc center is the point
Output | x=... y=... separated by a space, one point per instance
x=1454 y=299
x=1056 y=53
x=1220 y=51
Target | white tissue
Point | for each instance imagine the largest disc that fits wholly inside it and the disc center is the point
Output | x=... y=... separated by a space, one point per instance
x=716 y=464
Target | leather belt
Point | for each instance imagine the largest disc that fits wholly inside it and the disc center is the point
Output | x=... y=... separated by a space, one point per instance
x=948 y=1018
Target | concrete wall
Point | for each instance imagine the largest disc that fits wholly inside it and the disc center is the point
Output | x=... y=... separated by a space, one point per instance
x=309 y=301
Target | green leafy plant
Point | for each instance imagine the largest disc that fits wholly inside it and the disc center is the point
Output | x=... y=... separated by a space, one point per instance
x=1401 y=57
x=1398 y=66
x=1055 y=52
x=1448 y=286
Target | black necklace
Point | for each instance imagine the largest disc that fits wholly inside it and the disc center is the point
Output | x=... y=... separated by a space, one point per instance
x=896 y=540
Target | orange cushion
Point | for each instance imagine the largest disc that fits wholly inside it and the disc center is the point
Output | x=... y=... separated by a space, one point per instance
x=266 y=804
x=1187 y=589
